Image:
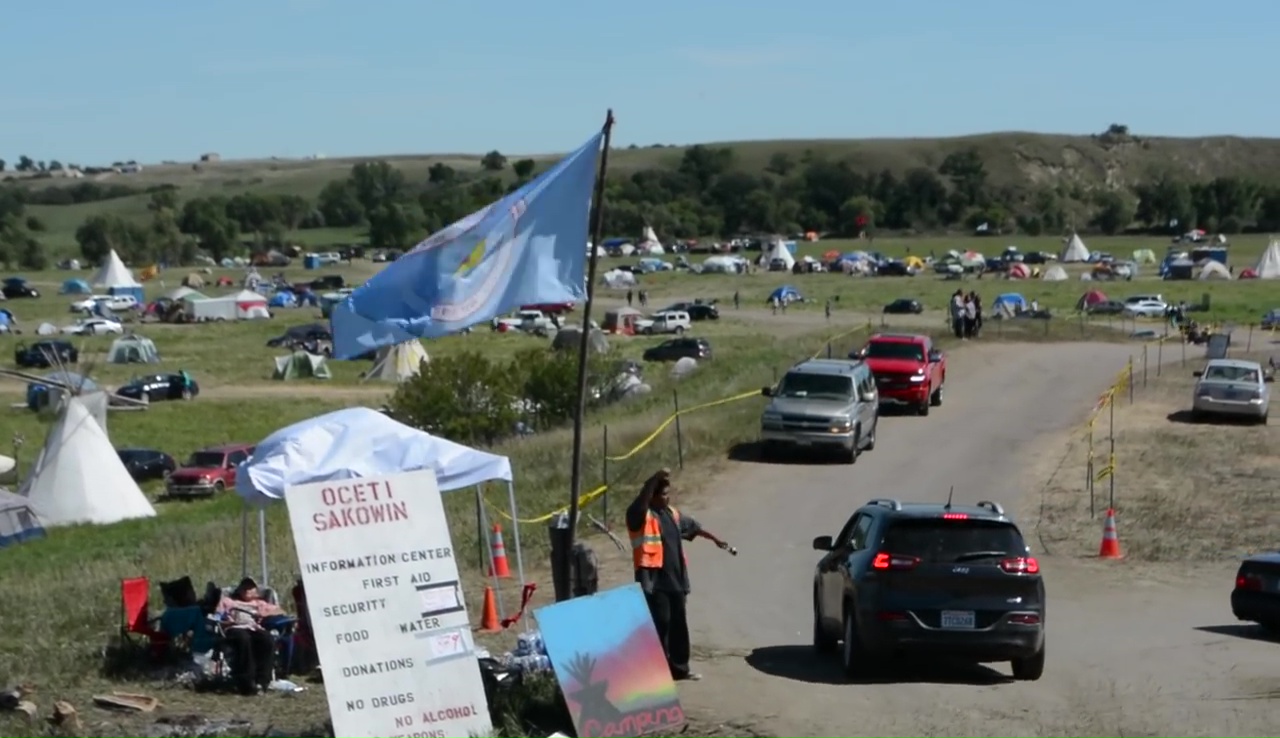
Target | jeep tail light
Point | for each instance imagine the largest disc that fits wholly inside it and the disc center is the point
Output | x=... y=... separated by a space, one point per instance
x=1249 y=582
x=1021 y=565
x=893 y=562
x=955 y=516
x=1024 y=618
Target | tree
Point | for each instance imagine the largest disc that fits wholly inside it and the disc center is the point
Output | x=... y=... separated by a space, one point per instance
x=464 y=397
x=339 y=206
x=3 y=164
x=99 y=235
x=440 y=174
x=1114 y=213
x=524 y=168
x=25 y=164
x=780 y=164
x=166 y=199
x=967 y=172
x=377 y=182
x=207 y=220
x=393 y=225
x=55 y=166
x=493 y=161
x=35 y=225
x=293 y=210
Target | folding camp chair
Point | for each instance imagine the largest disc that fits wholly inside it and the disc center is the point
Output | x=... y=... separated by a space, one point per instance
x=135 y=616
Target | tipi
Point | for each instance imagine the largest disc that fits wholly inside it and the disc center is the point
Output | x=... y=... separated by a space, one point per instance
x=649 y=243
x=78 y=478
x=114 y=273
x=399 y=362
x=1074 y=250
x=1269 y=265
x=778 y=250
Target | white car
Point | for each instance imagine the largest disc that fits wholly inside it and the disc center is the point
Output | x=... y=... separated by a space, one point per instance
x=94 y=327
x=667 y=321
x=525 y=320
x=114 y=303
x=1146 y=307
x=1232 y=387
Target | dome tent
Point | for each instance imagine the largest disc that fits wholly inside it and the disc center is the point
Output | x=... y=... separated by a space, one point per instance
x=133 y=349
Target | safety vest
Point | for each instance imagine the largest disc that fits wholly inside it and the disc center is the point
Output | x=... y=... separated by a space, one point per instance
x=646 y=543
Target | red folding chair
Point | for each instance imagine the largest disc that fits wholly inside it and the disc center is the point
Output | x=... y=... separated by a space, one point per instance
x=135 y=616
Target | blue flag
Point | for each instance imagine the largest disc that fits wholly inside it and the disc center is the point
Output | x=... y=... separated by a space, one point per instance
x=529 y=247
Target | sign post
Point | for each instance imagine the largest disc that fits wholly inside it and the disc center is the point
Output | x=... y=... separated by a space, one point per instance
x=387 y=611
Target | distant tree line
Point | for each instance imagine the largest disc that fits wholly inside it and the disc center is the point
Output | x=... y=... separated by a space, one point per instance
x=709 y=193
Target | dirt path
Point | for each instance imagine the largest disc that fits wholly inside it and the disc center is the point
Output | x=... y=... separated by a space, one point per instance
x=1125 y=654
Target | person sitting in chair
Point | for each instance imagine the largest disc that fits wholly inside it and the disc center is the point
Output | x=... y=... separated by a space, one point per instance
x=250 y=644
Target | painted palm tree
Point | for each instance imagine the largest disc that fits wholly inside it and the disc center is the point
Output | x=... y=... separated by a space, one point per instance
x=592 y=696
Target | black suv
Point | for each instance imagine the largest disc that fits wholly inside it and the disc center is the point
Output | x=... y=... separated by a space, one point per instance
x=45 y=354
x=951 y=580
x=679 y=348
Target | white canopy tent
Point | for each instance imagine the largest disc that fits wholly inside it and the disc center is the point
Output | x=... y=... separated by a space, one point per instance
x=356 y=443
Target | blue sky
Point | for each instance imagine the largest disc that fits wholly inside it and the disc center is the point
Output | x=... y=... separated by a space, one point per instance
x=149 y=80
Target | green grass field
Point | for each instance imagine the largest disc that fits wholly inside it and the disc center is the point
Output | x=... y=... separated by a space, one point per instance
x=61 y=593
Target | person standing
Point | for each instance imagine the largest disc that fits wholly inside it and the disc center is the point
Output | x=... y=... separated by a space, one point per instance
x=827 y=309
x=957 y=313
x=737 y=300
x=630 y=297
x=977 y=314
x=970 y=315
x=658 y=532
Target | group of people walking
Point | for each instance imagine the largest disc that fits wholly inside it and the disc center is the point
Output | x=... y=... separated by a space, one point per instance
x=966 y=314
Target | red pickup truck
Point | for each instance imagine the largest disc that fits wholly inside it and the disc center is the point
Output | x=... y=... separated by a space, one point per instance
x=909 y=370
x=551 y=308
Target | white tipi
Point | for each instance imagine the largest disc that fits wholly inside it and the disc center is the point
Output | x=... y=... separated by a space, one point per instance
x=649 y=243
x=78 y=478
x=399 y=362
x=778 y=250
x=1074 y=250
x=114 y=273
x=1269 y=265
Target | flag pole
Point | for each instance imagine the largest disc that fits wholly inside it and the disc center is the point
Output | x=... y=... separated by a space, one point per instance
x=584 y=343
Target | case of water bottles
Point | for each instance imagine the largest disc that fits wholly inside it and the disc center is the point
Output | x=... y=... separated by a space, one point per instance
x=530 y=654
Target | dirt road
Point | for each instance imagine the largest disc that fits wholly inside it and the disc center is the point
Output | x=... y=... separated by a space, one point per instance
x=1127 y=655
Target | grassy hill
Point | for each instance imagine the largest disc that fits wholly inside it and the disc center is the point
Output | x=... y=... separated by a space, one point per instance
x=1013 y=160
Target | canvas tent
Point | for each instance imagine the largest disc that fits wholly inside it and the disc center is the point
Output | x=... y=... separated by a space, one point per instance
x=649 y=243
x=356 y=443
x=302 y=365
x=133 y=349
x=622 y=321
x=116 y=278
x=75 y=287
x=778 y=250
x=78 y=478
x=399 y=362
x=1269 y=265
x=1074 y=250
x=18 y=522
x=193 y=280
x=182 y=293
x=1055 y=273
x=1214 y=270
x=568 y=339
x=1089 y=299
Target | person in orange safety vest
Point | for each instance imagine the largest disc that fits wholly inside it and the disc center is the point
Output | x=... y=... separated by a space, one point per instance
x=658 y=532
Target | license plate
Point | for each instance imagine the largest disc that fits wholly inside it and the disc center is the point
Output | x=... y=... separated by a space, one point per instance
x=958 y=619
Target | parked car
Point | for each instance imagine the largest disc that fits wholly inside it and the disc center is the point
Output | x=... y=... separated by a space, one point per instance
x=300 y=334
x=114 y=303
x=679 y=348
x=1232 y=387
x=1106 y=307
x=15 y=288
x=696 y=310
x=159 y=387
x=1145 y=306
x=1256 y=597
x=527 y=321
x=208 y=471
x=676 y=322
x=822 y=404
x=94 y=327
x=926 y=578
x=1271 y=320
x=45 y=354
x=910 y=371
x=904 y=306
x=550 y=308
x=145 y=464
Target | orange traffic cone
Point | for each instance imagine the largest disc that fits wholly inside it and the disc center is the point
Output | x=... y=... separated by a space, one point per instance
x=489 y=616
x=1110 y=539
x=499 y=567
